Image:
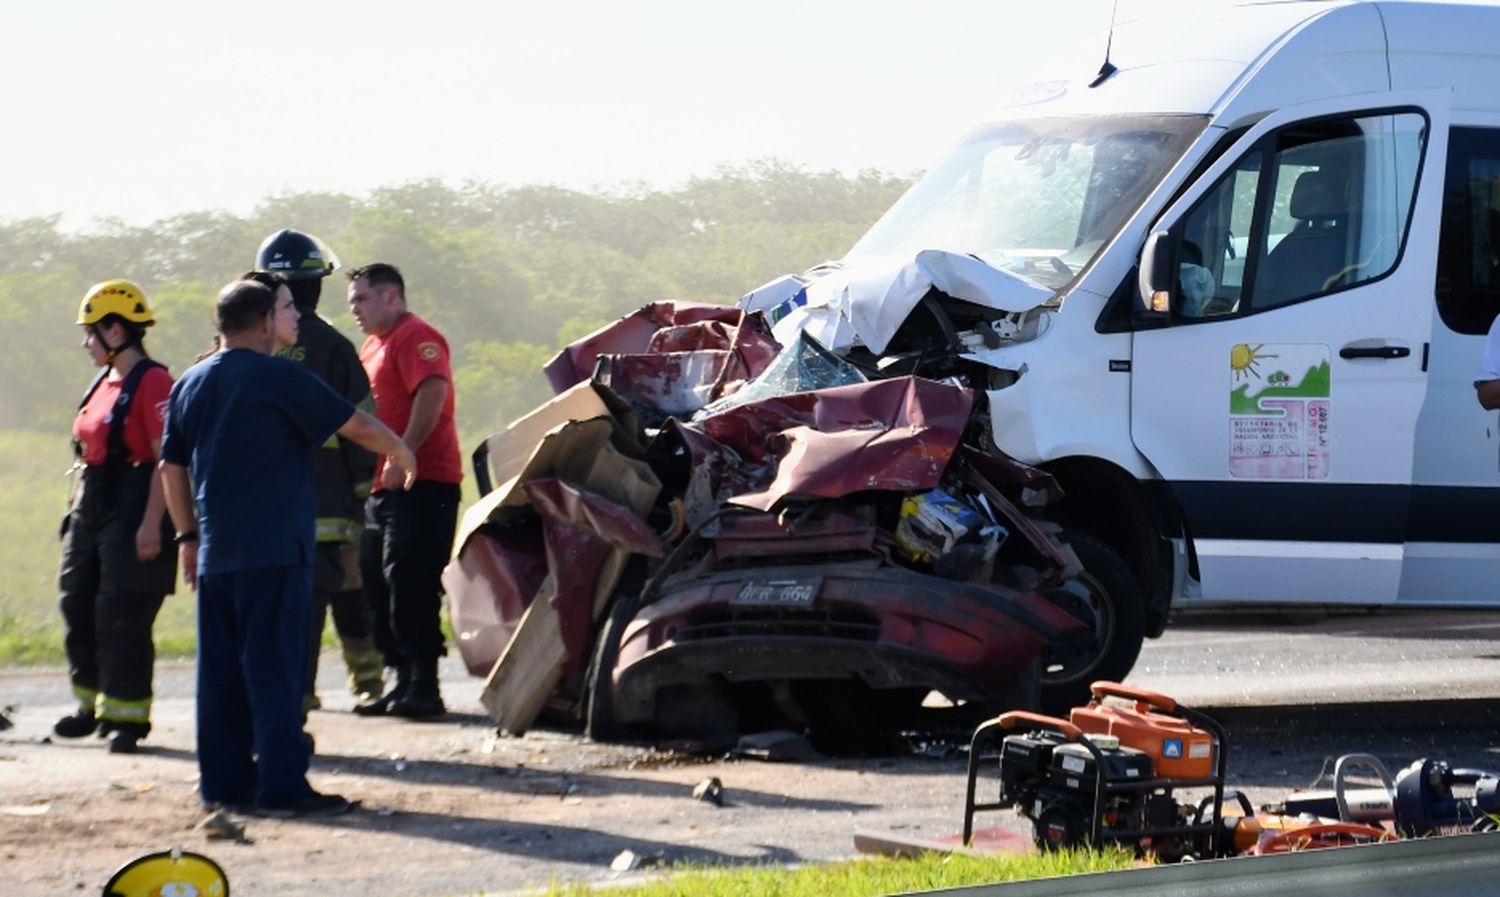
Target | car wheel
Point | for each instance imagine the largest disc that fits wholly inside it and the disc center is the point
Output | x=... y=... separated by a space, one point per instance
x=1107 y=598
x=599 y=722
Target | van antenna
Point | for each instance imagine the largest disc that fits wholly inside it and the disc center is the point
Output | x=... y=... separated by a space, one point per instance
x=1108 y=68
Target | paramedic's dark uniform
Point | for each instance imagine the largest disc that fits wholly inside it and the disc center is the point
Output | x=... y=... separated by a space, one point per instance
x=246 y=426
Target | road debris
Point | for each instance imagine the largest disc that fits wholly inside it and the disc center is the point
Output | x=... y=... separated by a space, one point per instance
x=710 y=790
x=629 y=861
x=26 y=810
x=220 y=826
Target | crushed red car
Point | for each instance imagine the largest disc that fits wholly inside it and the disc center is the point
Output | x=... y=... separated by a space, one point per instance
x=765 y=536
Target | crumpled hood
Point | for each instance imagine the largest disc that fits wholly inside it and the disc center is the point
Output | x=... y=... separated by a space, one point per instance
x=865 y=301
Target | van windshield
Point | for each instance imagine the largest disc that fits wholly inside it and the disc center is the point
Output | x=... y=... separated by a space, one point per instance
x=1039 y=197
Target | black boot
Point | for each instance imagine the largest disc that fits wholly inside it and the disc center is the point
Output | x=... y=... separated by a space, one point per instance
x=382 y=705
x=123 y=737
x=81 y=723
x=422 y=700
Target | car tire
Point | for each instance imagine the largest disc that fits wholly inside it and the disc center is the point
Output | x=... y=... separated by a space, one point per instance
x=1106 y=596
x=599 y=723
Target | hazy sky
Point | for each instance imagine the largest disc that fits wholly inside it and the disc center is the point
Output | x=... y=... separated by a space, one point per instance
x=147 y=109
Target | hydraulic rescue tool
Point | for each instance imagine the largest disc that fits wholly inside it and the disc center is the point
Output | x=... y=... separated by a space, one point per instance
x=1428 y=797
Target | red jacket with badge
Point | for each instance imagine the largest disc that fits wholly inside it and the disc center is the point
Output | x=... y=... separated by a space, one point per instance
x=398 y=362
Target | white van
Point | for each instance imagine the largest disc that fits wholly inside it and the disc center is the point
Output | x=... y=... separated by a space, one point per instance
x=1274 y=235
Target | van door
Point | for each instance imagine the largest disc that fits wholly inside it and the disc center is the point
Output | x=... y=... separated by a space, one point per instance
x=1453 y=543
x=1280 y=399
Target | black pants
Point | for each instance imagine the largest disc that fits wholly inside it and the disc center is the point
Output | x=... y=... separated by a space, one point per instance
x=336 y=589
x=109 y=599
x=407 y=538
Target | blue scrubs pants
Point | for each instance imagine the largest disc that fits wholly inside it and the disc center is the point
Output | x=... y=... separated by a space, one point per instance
x=252 y=657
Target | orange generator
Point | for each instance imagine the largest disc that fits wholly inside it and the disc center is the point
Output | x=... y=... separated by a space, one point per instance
x=1111 y=773
x=1152 y=724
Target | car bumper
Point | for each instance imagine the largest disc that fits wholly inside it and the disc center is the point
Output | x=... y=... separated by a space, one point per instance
x=886 y=627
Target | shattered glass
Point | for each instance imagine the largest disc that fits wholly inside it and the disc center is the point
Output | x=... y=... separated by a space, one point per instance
x=801 y=367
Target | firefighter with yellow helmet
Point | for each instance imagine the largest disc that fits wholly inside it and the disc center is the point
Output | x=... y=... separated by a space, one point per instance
x=119 y=558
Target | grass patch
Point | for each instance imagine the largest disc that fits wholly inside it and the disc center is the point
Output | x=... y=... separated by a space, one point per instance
x=858 y=878
x=29 y=641
x=34 y=492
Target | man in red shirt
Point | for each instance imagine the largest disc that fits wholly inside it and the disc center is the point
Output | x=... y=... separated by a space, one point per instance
x=408 y=534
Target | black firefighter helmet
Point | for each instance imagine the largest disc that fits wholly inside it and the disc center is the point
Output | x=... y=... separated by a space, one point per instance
x=296 y=256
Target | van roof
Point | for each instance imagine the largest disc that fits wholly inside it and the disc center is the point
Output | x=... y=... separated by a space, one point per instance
x=1237 y=62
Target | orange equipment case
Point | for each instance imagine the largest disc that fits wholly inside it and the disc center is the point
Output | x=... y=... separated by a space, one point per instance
x=1177 y=748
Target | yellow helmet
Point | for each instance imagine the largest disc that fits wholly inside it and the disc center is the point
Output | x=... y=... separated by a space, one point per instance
x=168 y=874
x=115 y=297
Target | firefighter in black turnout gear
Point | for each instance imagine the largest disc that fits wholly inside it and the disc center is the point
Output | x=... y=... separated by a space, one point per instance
x=343 y=469
x=119 y=556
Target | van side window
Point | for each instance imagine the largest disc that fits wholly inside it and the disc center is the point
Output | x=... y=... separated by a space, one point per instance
x=1211 y=264
x=1314 y=208
x=1468 y=275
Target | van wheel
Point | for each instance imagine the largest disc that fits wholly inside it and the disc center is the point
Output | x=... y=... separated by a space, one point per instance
x=1107 y=598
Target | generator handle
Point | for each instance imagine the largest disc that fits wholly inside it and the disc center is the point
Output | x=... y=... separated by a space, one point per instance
x=1010 y=719
x=985 y=733
x=1161 y=702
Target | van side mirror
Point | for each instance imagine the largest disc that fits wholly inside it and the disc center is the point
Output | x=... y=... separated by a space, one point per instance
x=1157 y=275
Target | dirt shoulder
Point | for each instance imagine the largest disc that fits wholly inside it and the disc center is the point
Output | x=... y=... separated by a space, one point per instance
x=446 y=807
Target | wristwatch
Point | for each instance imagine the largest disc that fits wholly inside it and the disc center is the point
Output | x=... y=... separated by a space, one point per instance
x=189 y=536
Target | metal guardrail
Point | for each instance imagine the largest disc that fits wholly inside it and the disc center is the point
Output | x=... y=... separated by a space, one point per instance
x=1456 y=866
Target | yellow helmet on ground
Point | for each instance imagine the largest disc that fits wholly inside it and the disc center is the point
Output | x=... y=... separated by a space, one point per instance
x=115 y=297
x=170 y=873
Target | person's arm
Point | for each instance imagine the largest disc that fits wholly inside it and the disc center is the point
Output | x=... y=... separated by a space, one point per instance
x=426 y=409
x=1488 y=392
x=348 y=378
x=148 y=534
x=364 y=429
x=177 y=488
x=1487 y=379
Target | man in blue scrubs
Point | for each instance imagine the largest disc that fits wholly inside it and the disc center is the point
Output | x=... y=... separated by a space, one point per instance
x=237 y=467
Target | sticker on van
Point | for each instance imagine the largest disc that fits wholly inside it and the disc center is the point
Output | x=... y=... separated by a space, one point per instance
x=1279 y=397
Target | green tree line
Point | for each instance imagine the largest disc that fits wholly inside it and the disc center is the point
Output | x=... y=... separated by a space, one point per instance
x=509 y=274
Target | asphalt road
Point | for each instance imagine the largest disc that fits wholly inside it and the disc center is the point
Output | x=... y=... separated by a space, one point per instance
x=1214 y=660
x=1294 y=690
x=1304 y=658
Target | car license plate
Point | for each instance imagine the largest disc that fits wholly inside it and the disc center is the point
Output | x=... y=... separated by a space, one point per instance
x=779 y=592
